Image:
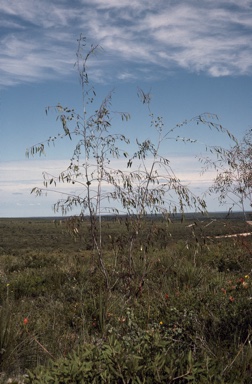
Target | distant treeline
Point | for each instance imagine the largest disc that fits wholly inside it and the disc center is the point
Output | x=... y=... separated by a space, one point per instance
x=239 y=215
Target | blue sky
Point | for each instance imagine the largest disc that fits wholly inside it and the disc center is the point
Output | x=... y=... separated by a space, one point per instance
x=194 y=56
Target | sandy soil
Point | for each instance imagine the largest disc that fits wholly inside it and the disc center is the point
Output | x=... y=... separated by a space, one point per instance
x=236 y=234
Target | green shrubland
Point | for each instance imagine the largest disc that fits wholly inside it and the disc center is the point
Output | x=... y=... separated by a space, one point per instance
x=181 y=314
x=129 y=290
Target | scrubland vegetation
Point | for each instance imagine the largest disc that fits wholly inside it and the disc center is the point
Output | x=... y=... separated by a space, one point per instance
x=179 y=311
x=138 y=297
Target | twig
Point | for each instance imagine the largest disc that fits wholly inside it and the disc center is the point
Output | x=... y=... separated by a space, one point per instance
x=181 y=376
x=44 y=349
x=240 y=350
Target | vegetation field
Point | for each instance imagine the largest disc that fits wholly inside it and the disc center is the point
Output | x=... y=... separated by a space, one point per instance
x=175 y=304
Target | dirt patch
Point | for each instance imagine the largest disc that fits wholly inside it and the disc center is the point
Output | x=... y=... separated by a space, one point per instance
x=234 y=235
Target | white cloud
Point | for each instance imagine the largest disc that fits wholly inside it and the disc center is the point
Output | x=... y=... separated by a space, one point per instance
x=213 y=37
x=128 y=4
x=18 y=178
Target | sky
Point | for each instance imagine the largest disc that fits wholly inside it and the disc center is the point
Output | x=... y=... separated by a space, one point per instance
x=192 y=57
